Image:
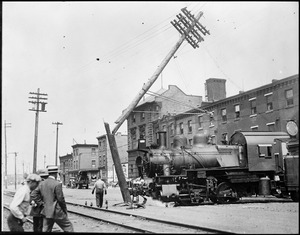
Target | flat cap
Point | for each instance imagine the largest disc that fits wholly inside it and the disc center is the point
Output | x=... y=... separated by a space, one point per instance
x=52 y=169
x=33 y=177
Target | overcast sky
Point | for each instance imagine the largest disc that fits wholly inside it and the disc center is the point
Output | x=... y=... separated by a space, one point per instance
x=92 y=59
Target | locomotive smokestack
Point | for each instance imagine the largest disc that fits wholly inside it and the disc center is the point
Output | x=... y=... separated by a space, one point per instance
x=162 y=139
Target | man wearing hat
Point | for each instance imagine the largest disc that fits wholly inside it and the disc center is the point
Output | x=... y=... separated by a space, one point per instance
x=55 y=209
x=19 y=207
x=37 y=204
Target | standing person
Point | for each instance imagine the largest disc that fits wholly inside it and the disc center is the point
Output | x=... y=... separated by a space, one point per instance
x=37 y=205
x=100 y=190
x=19 y=207
x=55 y=208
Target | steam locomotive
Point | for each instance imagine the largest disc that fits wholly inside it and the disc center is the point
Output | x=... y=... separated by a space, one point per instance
x=253 y=163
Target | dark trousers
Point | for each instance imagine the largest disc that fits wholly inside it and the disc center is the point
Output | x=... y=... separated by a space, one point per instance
x=64 y=223
x=99 y=197
x=14 y=224
x=37 y=224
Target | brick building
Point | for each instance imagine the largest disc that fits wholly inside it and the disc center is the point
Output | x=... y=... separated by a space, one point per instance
x=106 y=164
x=66 y=162
x=147 y=112
x=266 y=108
x=85 y=158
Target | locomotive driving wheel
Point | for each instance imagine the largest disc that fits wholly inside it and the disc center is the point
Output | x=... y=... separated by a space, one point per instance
x=226 y=193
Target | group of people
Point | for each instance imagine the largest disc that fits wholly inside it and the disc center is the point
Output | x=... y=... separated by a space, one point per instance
x=41 y=197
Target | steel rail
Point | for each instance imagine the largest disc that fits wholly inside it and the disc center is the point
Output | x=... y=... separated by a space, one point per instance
x=189 y=226
x=11 y=194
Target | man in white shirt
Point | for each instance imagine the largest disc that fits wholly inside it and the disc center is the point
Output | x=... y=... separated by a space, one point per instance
x=19 y=207
x=100 y=187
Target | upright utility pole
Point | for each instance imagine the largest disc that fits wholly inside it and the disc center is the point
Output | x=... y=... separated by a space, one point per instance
x=56 y=153
x=188 y=26
x=15 y=153
x=38 y=106
x=6 y=125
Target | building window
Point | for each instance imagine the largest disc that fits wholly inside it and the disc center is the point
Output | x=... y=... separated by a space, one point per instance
x=271 y=126
x=269 y=103
x=93 y=151
x=93 y=163
x=99 y=160
x=237 y=111
x=164 y=128
x=142 y=116
x=190 y=142
x=172 y=129
x=289 y=95
x=211 y=120
x=252 y=106
x=190 y=126
x=224 y=117
x=200 y=121
x=224 y=139
x=181 y=128
x=211 y=139
x=133 y=134
x=142 y=131
x=133 y=118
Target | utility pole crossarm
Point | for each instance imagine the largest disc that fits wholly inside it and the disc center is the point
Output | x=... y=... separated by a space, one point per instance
x=184 y=35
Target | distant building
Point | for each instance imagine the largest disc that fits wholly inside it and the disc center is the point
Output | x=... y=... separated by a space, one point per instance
x=85 y=158
x=106 y=164
x=65 y=167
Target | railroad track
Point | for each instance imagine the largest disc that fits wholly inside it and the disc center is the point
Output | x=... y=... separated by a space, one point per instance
x=134 y=223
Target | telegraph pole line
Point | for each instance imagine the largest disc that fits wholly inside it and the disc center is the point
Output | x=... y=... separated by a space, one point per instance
x=39 y=105
x=56 y=123
x=15 y=153
x=6 y=125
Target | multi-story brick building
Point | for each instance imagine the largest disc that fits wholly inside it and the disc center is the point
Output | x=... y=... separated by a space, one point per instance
x=106 y=164
x=150 y=110
x=85 y=158
x=66 y=162
x=266 y=108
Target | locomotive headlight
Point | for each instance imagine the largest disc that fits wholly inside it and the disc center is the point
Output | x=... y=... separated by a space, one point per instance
x=292 y=128
x=276 y=178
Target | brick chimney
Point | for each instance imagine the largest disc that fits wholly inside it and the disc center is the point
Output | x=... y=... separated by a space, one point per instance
x=215 y=89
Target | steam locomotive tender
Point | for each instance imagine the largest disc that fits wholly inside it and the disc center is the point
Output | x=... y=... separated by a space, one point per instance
x=253 y=163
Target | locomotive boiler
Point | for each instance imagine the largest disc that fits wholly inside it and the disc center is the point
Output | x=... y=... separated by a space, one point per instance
x=253 y=163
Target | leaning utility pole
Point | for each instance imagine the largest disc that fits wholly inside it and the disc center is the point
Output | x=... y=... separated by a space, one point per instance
x=36 y=107
x=189 y=28
x=56 y=153
x=185 y=26
x=6 y=125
